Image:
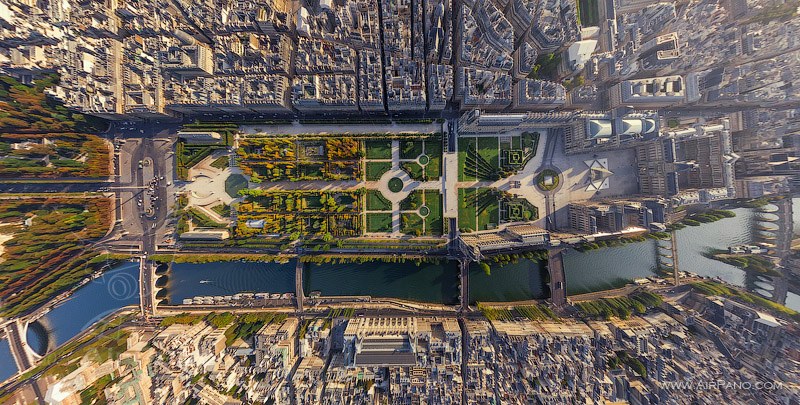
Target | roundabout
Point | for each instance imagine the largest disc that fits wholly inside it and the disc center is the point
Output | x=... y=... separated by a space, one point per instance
x=395 y=185
x=548 y=180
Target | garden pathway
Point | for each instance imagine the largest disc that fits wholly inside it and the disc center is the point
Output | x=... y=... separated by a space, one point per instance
x=321 y=185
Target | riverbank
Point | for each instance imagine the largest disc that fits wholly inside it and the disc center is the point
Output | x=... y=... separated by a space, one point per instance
x=114 y=288
x=747 y=262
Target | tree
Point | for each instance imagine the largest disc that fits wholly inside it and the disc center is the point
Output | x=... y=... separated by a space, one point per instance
x=485 y=267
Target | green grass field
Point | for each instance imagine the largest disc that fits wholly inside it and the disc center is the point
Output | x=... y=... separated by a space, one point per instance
x=467 y=220
x=433 y=222
x=479 y=215
x=489 y=216
x=410 y=149
x=434 y=167
x=377 y=202
x=379 y=222
x=378 y=149
x=413 y=201
x=588 y=13
x=414 y=170
x=488 y=149
x=376 y=169
x=411 y=224
x=221 y=162
x=463 y=145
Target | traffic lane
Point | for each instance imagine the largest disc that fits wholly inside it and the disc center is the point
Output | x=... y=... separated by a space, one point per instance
x=131 y=219
x=55 y=187
x=145 y=130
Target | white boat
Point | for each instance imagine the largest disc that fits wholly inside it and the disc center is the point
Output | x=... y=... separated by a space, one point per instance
x=205 y=281
x=737 y=249
x=753 y=249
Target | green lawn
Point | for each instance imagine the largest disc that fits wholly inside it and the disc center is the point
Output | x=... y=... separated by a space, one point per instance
x=588 y=13
x=376 y=169
x=311 y=170
x=466 y=212
x=379 y=222
x=221 y=162
x=378 y=149
x=433 y=222
x=477 y=215
x=413 y=201
x=484 y=166
x=434 y=167
x=488 y=149
x=411 y=224
x=414 y=170
x=377 y=202
x=410 y=149
x=488 y=210
x=463 y=145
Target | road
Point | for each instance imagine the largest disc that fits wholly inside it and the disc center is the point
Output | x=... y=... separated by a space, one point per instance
x=152 y=213
x=558 y=281
x=549 y=199
x=55 y=186
x=17 y=344
x=143 y=188
x=463 y=266
x=299 y=296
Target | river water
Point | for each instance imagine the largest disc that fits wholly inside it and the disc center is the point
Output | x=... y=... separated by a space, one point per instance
x=114 y=289
x=228 y=278
x=586 y=271
x=427 y=282
x=7 y=366
x=611 y=267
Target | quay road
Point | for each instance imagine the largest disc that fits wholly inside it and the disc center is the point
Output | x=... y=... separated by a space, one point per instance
x=366 y=311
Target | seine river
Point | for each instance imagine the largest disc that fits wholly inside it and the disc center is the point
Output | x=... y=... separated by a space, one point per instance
x=114 y=289
x=7 y=366
x=586 y=271
x=428 y=282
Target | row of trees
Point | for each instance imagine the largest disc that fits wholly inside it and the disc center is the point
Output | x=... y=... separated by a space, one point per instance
x=54 y=251
x=622 y=307
x=26 y=109
x=68 y=154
